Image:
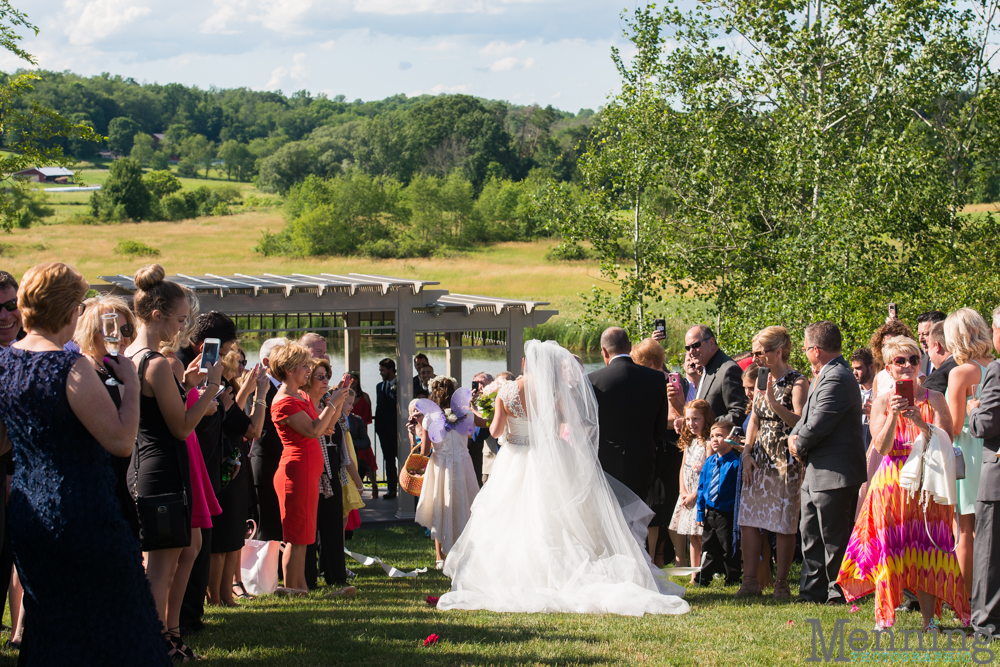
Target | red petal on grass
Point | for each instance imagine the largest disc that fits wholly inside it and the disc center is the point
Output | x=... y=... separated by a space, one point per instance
x=855 y=608
x=791 y=622
x=431 y=639
x=432 y=600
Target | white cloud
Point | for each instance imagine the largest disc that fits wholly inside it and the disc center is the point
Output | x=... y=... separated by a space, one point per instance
x=494 y=49
x=438 y=89
x=328 y=45
x=441 y=46
x=98 y=19
x=511 y=63
x=400 y=7
x=297 y=72
x=225 y=11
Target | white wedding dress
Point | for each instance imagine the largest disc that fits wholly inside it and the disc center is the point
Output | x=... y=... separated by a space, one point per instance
x=548 y=532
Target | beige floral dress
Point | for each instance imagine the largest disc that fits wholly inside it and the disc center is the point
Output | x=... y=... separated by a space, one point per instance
x=684 y=520
x=772 y=501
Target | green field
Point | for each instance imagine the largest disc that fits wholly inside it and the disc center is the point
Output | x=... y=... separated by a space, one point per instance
x=389 y=620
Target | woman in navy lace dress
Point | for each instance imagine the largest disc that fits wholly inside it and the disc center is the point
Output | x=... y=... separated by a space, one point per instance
x=64 y=516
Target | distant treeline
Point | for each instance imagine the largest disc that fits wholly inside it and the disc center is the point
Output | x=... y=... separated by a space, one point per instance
x=279 y=140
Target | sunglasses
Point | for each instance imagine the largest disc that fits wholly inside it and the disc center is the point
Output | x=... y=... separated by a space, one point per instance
x=913 y=360
x=696 y=345
x=760 y=354
x=127 y=330
x=9 y=306
x=321 y=378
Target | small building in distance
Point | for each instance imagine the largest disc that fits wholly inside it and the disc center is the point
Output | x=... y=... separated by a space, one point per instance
x=158 y=139
x=45 y=175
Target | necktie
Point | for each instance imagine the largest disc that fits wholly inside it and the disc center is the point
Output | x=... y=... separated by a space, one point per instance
x=713 y=488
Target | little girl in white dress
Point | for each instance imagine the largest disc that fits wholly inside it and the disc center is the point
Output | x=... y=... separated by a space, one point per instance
x=698 y=419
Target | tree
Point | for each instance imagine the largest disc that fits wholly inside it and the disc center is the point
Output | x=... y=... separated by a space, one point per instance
x=29 y=207
x=289 y=165
x=124 y=195
x=142 y=148
x=161 y=183
x=199 y=150
x=236 y=156
x=121 y=134
x=32 y=131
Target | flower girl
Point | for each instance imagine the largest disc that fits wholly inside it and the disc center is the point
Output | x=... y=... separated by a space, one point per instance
x=698 y=419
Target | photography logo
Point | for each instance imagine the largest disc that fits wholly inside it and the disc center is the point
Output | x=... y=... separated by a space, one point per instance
x=901 y=645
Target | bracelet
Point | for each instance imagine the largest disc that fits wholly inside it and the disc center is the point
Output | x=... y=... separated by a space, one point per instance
x=211 y=383
x=260 y=403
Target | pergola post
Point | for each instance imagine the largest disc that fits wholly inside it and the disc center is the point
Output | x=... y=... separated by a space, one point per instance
x=453 y=357
x=515 y=342
x=405 y=343
x=352 y=343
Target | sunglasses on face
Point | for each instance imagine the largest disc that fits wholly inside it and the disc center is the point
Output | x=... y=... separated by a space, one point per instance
x=696 y=345
x=913 y=360
x=127 y=330
x=9 y=306
x=760 y=353
x=321 y=378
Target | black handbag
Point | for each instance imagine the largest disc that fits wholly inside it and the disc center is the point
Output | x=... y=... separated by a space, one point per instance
x=164 y=519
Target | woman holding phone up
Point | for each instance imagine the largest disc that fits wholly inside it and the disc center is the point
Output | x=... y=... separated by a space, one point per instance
x=769 y=500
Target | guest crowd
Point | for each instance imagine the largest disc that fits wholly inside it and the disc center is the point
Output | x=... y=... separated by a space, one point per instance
x=149 y=468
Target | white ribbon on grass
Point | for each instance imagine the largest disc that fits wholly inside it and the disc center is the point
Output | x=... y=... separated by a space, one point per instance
x=680 y=571
x=389 y=569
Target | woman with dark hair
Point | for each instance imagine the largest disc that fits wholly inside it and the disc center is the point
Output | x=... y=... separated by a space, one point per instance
x=359 y=419
x=64 y=515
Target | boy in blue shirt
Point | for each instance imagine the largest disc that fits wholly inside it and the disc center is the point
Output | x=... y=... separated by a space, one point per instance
x=716 y=500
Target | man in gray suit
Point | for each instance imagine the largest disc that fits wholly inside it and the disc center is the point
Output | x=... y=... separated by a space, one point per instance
x=984 y=422
x=722 y=382
x=829 y=440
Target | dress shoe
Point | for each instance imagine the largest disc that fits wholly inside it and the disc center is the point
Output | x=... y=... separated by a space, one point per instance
x=389 y=496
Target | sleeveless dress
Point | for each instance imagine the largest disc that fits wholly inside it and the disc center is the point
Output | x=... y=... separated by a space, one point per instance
x=297 y=480
x=65 y=519
x=972 y=451
x=450 y=486
x=890 y=549
x=204 y=504
x=685 y=519
x=772 y=502
x=527 y=548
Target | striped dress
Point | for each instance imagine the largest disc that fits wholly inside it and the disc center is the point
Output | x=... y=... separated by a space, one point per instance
x=890 y=549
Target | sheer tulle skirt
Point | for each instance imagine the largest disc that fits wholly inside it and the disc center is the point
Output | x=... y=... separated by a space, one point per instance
x=446 y=498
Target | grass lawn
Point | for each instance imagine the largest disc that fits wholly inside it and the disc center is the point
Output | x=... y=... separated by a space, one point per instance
x=388 y=621
x=224 y=245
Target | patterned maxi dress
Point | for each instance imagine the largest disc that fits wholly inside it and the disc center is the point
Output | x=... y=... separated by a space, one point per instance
x=890 y=548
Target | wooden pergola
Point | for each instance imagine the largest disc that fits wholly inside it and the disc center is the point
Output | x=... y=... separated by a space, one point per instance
x=353 y=303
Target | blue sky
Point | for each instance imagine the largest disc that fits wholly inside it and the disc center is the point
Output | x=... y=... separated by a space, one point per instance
x=526 y=51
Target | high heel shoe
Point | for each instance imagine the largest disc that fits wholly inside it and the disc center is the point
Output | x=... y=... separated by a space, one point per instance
x=177 y=650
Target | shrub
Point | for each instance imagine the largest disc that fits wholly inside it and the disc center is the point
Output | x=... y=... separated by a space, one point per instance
x=161 y=183
x=135 y=249
x=567 y=252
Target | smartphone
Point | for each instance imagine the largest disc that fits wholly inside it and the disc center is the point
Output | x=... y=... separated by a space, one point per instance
x=892 y=310
x=905 y=388
x=660 y=324
x=209 y=353
x=762 y=374
x=219 y=393
x=346 y=380
x=675 y=381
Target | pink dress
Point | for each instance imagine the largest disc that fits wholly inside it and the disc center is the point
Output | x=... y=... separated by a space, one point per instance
x=204 y=504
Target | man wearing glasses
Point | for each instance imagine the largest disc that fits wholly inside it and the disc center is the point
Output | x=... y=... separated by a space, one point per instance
x=10 y=316
x=722 y=380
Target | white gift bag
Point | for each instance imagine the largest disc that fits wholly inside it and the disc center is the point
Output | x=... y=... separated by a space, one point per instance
x=259 y=565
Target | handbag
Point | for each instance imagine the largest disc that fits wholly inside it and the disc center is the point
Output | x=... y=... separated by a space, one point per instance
x=959 y=462
x=164 y=519
x=259 y=565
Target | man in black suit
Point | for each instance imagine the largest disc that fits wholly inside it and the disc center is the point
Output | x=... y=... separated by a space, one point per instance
x=265 y=455
x=419 y=361
x=829 y=439
x=631 y=413
x=926 y=322
x=722 y=382
x=940 y=359
x=386 y=413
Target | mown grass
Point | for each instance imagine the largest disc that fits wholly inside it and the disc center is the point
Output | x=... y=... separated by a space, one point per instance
x=389 y=620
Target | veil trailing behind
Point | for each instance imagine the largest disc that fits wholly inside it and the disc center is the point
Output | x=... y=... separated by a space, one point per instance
x=548 y=532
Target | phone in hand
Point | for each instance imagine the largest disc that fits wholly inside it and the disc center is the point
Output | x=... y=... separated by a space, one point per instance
x=904 y=388
x=660 y=324
x=219 y=393
x=209 y=353
x=346 y=381
x=674 y=379
x=892 y=311
x=762 y=375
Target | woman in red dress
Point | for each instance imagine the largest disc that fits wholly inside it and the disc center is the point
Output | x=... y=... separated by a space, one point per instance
x=297 y=480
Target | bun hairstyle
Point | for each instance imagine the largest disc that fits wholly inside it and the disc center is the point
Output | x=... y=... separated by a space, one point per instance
x=442 y=387
x=154 y=292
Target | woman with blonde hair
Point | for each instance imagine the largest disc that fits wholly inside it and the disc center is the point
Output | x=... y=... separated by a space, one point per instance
x=772 y=477
x=970 y=340
x=64 y=516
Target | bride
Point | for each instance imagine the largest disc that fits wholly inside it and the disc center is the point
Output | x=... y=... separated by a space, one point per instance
x=547 y=532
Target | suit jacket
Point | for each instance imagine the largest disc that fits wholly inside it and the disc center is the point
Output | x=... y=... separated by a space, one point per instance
x=925 y=364
x=984 y=422
x=265 y=452
x=632 y=419
x=417 y=385
x=385 y=405
x=830 y=431
x=938 y=379
x=722 y=387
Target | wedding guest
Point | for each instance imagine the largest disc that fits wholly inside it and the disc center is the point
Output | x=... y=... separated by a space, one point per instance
x=721 y=384
x=450 y=485
x=90 y=339
x=362 y=413
x=716 y=499
x=385 y=423
x=426 y=375
x=863 y=367
x=829 y=440
x=162 y=459
x=970 y=342
x=315 y=343
x=891 y=329
x=296 y=481
x=942 y=360
x=229 y=528
x=10 y=314
x=265 y=455
x=693 y=442
x=693 y=372
x=63 y=426
x=750 y=389
x=419 y=361
x=10 y=331
x=478 y=448
x=902 y=541
x=772 y=477
x=764 y=578
x=984 y=422
x=925 y=322
x=350 y=479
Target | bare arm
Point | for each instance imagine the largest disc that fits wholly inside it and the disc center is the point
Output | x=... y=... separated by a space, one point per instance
x=800 y=390
x=883 y=426
x=425 y=442
x=499 y=419
x=958 y=386
x=942 y=417
x=114 y=429
x=684 y=459
x=311 y=428
x=180 y=420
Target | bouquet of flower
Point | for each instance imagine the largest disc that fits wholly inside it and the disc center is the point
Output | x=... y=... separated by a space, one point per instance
x=486 y=403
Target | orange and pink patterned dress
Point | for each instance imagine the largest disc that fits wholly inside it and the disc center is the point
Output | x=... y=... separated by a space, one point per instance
x=890 y=549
